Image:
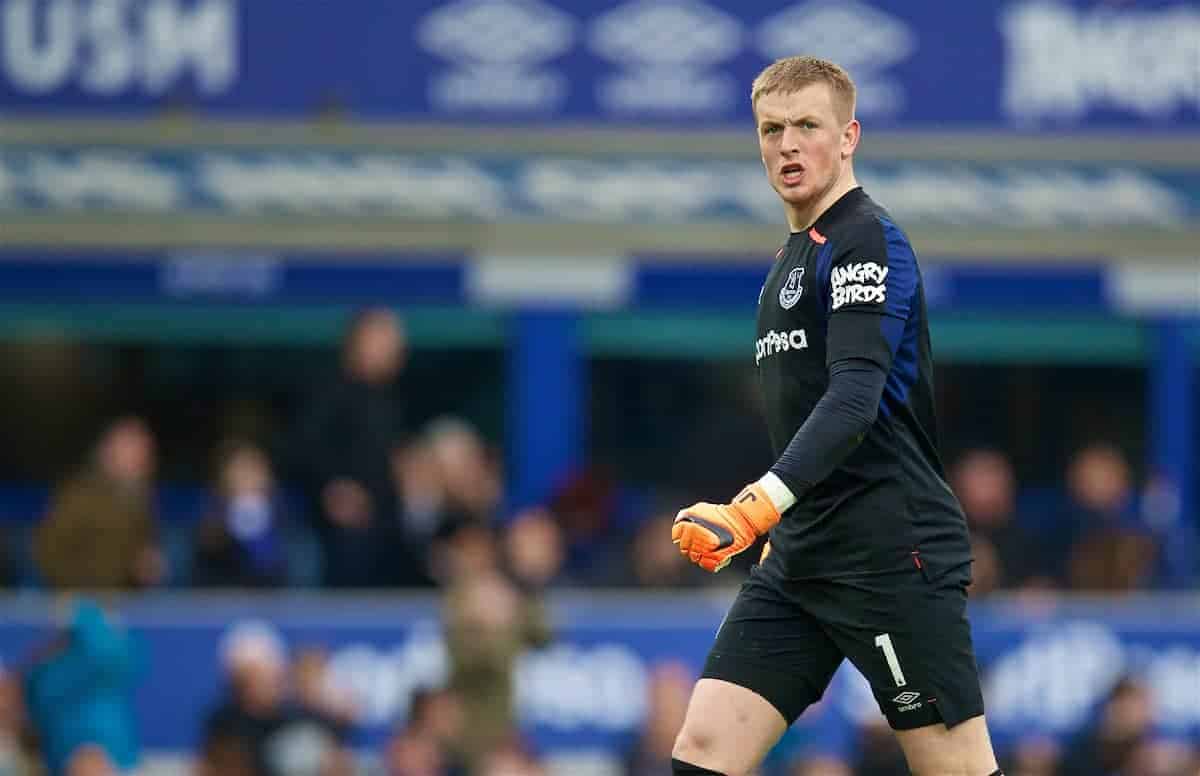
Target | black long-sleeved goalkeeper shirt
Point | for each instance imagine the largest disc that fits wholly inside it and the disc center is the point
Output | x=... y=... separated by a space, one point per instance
x=845 y=368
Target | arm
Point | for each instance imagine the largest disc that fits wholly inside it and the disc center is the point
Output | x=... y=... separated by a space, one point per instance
x=711 y=535
x=62 y=538
x=872 y=286
x=834 y=428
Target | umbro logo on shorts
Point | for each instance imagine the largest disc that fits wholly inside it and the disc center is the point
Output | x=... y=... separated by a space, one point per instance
x=907 y=700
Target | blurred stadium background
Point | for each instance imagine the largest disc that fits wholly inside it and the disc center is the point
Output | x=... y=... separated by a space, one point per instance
x=362 y=353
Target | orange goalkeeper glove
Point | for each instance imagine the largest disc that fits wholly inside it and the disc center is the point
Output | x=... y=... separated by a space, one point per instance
x=709 y=535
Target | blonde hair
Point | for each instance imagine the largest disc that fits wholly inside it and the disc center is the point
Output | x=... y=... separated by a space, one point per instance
x=792 y=74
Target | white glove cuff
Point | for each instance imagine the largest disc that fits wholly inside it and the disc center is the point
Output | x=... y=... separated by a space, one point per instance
x=779 y=493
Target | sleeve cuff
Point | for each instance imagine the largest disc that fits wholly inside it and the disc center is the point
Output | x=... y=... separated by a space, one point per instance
x=781 y=494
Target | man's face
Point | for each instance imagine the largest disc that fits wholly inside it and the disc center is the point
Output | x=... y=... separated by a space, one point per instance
x=803 y=142
x=261 y=685
x=128 y=453
x=379 y=348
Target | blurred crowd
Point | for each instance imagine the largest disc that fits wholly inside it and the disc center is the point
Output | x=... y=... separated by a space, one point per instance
x=356 y=498
x=353 y=497
x=68 y=711
x=1102 y=538
x=68 y=708
x=1121 y=740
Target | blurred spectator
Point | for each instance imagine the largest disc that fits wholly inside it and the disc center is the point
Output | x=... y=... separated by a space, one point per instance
x=510 y=760
x=13 y=758
x=669 y=689
x=1162 y=757
x=254 y=660
x=586 y=506
x=534 y=549
x=339 y=761
x=463 y=551
x=654 y=562
x=879 y=752
x=1034 y=756
x=241 y=543
x=317 y=695
x=79 y=692
x=409 y=754
x=1110 y=552
x=1006 y=555
x=422 y=509
x=224 y=753
x=822 y=765
x=469 y=473
x=1125 y=721
x=345 y=440
x=91 y=760
x=488 y=623
x=425 y=746
x=448 y=487
x=100 y=531
x=438 y=715
x=256 y=717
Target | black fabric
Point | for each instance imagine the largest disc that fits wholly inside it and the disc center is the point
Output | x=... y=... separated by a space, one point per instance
x=996 y=773
x=686 y=769
x=773 y=648
x=850 y=288
x=785 y=639
x=836 y=425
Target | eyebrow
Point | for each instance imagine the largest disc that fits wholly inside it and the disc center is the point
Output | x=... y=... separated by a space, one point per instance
x=797 y=120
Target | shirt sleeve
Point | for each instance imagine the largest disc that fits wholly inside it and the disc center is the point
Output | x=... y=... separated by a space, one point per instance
x=872 y=286
x=835 y=427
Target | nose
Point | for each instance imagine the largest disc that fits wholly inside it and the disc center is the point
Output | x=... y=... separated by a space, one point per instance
x=790 y=144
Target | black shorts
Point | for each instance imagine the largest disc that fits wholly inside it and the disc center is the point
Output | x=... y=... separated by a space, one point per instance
x=906 y=634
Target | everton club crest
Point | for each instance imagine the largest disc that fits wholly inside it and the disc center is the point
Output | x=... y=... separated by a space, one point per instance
x=790 y=293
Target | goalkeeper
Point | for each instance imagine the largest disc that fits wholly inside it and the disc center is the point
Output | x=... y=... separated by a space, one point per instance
x=868 y=555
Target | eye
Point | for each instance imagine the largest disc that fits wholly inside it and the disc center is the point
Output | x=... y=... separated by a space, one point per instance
x=770 y=129
x=808 y=124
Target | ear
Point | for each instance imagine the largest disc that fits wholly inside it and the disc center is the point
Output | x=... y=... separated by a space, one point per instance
x=850 y=137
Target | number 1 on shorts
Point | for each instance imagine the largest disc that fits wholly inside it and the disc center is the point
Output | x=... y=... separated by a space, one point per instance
x=884 y=642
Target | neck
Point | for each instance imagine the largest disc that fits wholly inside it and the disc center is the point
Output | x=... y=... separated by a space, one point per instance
x=802 y=217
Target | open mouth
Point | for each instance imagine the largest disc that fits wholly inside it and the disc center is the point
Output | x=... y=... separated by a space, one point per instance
x=791 y=174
